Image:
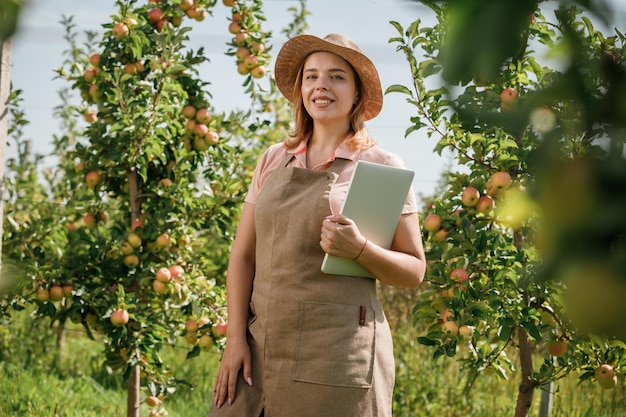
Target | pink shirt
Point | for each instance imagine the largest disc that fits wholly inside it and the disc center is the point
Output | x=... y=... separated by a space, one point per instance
x=276 y=154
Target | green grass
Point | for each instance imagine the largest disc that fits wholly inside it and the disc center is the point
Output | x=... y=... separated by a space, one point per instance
x=34 y=381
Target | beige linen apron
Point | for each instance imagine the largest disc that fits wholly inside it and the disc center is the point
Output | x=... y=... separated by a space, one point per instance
x=321 y=345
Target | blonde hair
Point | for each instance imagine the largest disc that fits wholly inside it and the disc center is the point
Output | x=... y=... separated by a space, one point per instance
x=303 y=129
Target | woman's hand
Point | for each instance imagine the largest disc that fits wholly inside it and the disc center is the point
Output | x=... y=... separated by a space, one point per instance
x=341 y=237
x=236 y=356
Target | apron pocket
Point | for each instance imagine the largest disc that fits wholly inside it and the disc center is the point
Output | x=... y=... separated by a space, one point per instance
x=333 y=347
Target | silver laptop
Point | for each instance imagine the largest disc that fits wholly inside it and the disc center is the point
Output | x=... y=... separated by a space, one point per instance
x=374 y=201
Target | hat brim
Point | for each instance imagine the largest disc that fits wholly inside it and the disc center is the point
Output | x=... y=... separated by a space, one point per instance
x=293 y=53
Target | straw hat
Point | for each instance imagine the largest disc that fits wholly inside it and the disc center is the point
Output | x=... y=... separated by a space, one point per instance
x=293 y=53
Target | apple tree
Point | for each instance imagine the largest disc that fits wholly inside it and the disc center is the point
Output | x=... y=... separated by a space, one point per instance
x=525 y=248
x=130 y=235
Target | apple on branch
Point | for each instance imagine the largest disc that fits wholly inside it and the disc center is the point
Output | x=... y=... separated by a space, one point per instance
x=258 y=71
x=186 y=5
x=92 y=178
x=508 y=99
x=450 y=328
x=203 y=116
x=557 y=348
x=120 y=30
x=119 y=317
x=470 y=196
x=485 y=204
x=605 y=375
x=459 y=275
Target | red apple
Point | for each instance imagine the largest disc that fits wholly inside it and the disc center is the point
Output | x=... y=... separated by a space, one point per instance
x=165 y=182
x=212 y=137
x=191 y=326
x=92 y=178
x=229 y=3
x=159 y=287
x=177 y=271
x=557 y=347
x=500 y=181
x=94 y=91
x=130 y=21
x=440 y=235
x=432 y=223
x=258 y=72
x=221 y=328
x=43 y=294
x=508 y=99
x=137 y=223
x=200 y=129
x=200 y=15
x=241 y=38
x=131 y=260
x=192 y=12
x=163 y=274
x=155 y=15
x=203 y=116
x=89 y=219
x=485 y=204
x=470 y=196
x=459 y=274
x=134 y=240
x=251 y=61
x=56 y=293
x=605 y=375
x=234 y=27
x=191 y=338
x=447 y=315
x=185 y=5
x=152 y=401
x=159 y=25
x=242 y=52
x=163 y=240
x=242 y=69
x=188 y=112
x=257 y=47
x=130 y=69
x=90 y=74
x=120 y=30
x=95 y=59
x=67 y=290
x=450 y=328
x=119 y=317
x=466 y=331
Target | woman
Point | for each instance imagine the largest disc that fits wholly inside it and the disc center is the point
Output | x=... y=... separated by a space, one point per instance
x=300 y=342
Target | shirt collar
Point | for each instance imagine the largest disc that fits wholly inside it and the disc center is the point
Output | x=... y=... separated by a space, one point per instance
x=343 y=151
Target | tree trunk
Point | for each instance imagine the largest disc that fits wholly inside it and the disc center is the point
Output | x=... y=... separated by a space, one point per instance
x=527 y=386
x=5 y=87
x=61 y=334
x=134 y=384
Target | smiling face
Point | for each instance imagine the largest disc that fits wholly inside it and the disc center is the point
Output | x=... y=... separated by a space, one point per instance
x=329 y=89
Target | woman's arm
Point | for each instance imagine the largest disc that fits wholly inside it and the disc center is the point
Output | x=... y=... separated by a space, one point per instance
x=241 y=268
x=403 y=265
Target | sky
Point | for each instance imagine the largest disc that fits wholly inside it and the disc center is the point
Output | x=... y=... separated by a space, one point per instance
x=38 y=48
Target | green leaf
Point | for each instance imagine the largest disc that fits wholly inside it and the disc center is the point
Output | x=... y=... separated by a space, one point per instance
x=505 y=327
x=398 y=88
x=426 y=341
